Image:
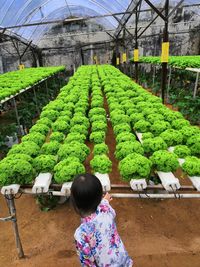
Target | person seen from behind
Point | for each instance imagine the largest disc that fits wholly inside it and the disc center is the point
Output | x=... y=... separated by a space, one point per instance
x=97 y=240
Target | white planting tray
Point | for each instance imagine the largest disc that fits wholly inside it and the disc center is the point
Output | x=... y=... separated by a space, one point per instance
x=169 y=181
x=138 y=184
x=42 y=183
x=195 y=181
x=171 y=149
x=10 y=189
x=181 y=161
x=139 y=136
x=105 y=181
x=66 y=188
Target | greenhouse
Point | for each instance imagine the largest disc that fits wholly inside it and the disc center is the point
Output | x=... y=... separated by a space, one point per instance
x=99 y=133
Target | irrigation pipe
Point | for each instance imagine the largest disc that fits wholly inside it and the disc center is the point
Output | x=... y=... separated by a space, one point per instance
x=155 y=196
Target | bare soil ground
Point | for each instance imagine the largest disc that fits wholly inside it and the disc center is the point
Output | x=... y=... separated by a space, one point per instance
x=156 y=233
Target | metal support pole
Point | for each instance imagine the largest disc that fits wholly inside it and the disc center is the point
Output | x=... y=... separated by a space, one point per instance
x=36 y=103
x=136 y=42
x=17 y=116
x=47 y=89
x=12 y=211
x=196 y=85
x=169 y=82
x=164 y=64
x=154 y=74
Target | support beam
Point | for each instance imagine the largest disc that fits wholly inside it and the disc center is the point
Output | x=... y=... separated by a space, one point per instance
x=136 y=41
x=64 y=20
x=164 y=64
x=27 y=47
x=130 y=10
x=17 y=115
x=149 y=24
x=155 y=9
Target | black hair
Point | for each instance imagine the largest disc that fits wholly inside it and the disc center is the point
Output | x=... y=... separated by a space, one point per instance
x=86 y=193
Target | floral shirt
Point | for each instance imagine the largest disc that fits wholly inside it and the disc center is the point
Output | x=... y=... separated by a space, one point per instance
x=98 y=242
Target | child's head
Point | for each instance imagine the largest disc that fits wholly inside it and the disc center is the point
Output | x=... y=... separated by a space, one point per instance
x=86 y=193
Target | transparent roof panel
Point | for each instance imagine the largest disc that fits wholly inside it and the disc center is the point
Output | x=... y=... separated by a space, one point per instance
x=19 y=12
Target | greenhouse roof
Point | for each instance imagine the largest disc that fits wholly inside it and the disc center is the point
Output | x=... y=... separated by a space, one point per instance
x=26 y=12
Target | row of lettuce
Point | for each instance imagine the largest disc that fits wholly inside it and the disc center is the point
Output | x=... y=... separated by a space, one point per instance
x=56 y=143
x=175 y=61
x=98 y=120
x=13 y=82
x=133 y=109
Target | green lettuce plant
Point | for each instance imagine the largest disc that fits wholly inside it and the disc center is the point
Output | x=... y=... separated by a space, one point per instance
x=191 y=166
x=135 y=166
x=194 y=144
x=126 y=148
x=121 y=128
x=188 y=131
x=135 y=117
x=82 y=129
x=35 y=137
x=119 y=119
x=71 y=137
x=75 y=149
x=97 y=103
x=100 y=149
x=147 y=135
x=60 y=126
x=142 y=126
x=51 y=114
x=131 y=111
x=97 y=111
x=147 y=111
x=164 y=161
x=117 y=112
x=171 y=116
x=97 y=137
x=81 y=120
x=57 y=136
x=65 y=118
x=101 y=164
x=182 y=151
x=44 y=163
x=67 y=169
x=45 y=121
x=123 y=137
x=114 y=105
x=28 y=147
x=57 y=105
x=21 y=157
x=66 y=112
x=99 y=126
x=155 y=117
x=16 y=171
x=172 y=137
x=50 y=148
x=159 y=126
x=40 y=128
x=180 y=123
x=151 y=145
x=100 y=118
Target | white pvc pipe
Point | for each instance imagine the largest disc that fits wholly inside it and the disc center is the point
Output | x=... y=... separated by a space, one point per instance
x=149 y=196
